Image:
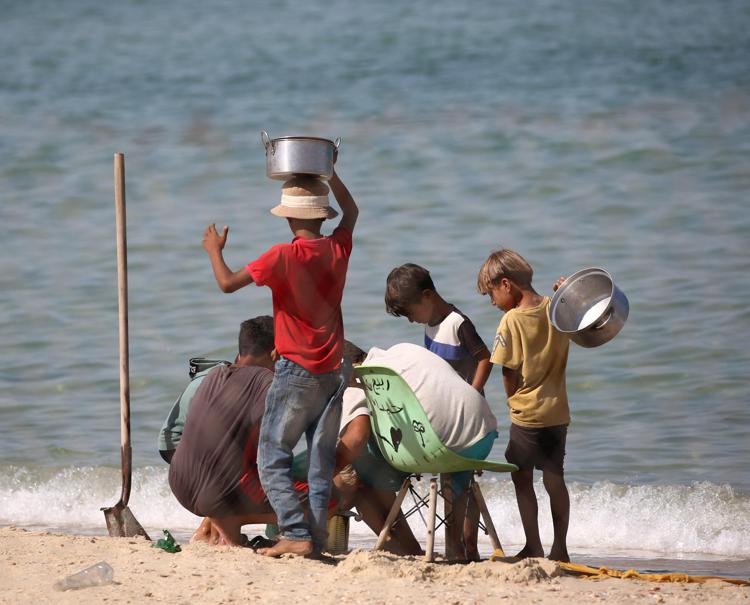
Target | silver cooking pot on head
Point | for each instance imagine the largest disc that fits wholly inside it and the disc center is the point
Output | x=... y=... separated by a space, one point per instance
x=589 y=308
x=288 y=156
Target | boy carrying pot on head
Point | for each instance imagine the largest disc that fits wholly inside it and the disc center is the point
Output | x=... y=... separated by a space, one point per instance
x=307 y=279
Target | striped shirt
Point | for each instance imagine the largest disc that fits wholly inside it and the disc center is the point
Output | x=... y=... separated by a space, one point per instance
x=455 y=339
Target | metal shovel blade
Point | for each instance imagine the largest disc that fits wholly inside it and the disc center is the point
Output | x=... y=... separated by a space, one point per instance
x=121 y=523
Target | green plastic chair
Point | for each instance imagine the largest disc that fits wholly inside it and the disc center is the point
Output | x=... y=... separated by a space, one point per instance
x=409 y=443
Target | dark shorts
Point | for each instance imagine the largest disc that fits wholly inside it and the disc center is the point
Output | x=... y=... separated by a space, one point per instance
x=542 y=448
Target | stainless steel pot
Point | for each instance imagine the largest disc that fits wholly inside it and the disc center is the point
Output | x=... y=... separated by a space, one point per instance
x=589 y=307
x=288 y=156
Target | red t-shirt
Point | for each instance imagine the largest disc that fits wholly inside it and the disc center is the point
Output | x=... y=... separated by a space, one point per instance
x=307 y=280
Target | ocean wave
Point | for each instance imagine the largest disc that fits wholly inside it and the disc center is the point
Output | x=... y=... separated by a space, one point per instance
x=606 y=518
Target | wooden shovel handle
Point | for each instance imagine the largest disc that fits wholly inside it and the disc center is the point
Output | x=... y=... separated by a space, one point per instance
x=122 y=300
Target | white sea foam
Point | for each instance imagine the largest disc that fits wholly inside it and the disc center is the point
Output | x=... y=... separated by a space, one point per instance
x=71 y=498
x=653 y=520
x=667 y=520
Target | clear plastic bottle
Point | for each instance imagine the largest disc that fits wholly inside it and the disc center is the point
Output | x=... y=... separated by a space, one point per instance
x=97 y=575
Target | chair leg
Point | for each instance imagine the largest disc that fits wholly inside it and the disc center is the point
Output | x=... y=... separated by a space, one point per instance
x=392 y=514
x=431 y=512
x=487 y=519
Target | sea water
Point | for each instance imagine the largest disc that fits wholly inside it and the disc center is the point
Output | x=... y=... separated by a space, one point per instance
x=611 y=134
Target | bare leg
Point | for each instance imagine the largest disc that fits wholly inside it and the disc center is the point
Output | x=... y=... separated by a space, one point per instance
x=523 y=481
x=454 y=510
x=471 y=527
x=559 y=501
x=465 y=528
x=374 y=506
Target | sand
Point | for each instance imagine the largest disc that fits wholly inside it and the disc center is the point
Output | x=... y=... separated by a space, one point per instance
x=31 y=562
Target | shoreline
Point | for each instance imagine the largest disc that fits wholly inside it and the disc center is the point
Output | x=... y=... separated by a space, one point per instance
x=703 y=564
x=32 y=561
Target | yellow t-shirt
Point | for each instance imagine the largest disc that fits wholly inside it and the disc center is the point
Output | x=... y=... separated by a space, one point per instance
x=527 y=341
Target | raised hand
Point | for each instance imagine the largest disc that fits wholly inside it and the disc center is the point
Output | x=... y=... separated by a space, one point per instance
x=213 y=240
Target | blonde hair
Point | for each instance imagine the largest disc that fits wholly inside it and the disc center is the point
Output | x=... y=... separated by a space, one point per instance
x=504 y=263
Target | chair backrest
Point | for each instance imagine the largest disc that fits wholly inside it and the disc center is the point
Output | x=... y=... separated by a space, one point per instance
x=402 y=430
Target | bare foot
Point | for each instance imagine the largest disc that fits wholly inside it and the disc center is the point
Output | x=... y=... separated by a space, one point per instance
x=208 y=533
x=224 y=531
x=203 y=532
x=528 y=552
x=283 y=546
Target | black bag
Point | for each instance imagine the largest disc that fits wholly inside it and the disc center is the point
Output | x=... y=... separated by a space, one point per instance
x=200 y=364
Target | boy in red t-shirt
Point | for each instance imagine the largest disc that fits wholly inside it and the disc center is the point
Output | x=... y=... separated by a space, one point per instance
x=307 y=279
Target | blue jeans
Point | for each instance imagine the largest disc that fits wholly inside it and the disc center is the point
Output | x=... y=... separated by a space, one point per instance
x=300 y=403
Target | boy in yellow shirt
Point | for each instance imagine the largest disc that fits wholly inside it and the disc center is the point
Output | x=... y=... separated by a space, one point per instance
x=533 y=355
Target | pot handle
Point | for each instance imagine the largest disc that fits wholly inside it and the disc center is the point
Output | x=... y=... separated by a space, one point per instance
x=610 y=312
x=265 y=140
x=337 y=143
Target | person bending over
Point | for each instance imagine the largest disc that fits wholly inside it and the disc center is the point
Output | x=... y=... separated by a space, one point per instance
x=214 y=473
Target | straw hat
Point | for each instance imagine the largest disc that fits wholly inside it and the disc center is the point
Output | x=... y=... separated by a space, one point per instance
x=304 y=197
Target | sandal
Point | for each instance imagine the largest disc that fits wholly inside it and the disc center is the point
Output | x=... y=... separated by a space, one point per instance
x=261 y=542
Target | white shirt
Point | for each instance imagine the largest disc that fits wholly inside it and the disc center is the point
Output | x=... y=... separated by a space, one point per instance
x=458 y=413
x=353 y=404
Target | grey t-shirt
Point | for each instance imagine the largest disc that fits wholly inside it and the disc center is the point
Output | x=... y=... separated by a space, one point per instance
x=171 y=431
